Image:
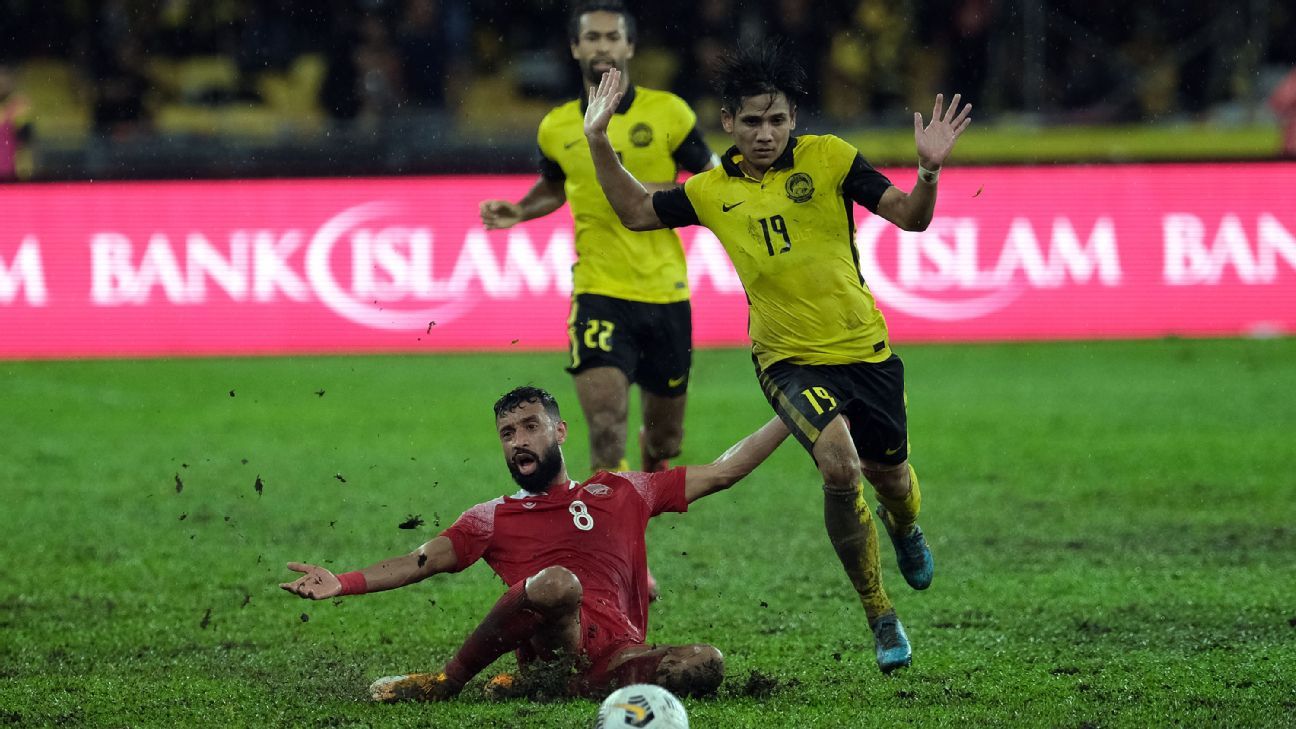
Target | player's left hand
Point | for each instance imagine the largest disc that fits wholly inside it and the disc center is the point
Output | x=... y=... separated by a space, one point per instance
x=499 y=214
x=936 y=140
x=316 y=584
x=603 y=101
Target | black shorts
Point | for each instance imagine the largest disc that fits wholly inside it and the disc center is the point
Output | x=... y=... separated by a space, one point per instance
x=651 y=343
x=871 y=396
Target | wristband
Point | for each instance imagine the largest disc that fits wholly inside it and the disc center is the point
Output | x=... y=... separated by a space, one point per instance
x=353 y=583
x=928 y=176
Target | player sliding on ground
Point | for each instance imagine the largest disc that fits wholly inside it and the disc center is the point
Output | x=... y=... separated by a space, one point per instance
x=573 y=557
x=783 y=207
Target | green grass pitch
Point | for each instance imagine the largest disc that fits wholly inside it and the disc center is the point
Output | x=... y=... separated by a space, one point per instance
x=1114 y=526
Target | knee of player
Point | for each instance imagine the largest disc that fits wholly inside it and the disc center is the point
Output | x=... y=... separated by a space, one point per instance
x=709 y=657
x=701 y=669
x=888 y=478
x=838 y=462
x=840 y=475
x=606 y=429
x=665 y=440
x=607 y=419
x=554 y=588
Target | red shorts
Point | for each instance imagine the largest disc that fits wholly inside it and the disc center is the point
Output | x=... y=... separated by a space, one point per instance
x=640 y=669
x=602 y=640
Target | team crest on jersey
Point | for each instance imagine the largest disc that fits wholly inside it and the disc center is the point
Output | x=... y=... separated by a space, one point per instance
x=597 y=489
x=641 y=135
x=800 y=187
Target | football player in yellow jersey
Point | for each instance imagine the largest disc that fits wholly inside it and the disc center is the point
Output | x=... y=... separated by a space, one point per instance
x=630 y=318
x=783 y=208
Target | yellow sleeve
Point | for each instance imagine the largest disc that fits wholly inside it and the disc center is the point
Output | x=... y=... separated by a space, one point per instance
x=545 y=137
x=838 y=156
x=684 y=120
x=695 y=189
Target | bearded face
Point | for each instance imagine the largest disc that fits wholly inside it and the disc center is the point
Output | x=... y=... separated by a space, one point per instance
x=535 y=472
x=532 y=444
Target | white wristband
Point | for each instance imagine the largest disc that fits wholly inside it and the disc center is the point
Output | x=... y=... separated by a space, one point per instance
x=928 y=176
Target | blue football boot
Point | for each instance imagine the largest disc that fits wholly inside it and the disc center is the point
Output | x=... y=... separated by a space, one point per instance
x=892 y=644
x=912 y=554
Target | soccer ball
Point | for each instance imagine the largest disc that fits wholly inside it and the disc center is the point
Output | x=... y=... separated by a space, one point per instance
x=642 y=705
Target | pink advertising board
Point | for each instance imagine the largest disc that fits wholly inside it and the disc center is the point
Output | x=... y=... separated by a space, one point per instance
x=403 y=265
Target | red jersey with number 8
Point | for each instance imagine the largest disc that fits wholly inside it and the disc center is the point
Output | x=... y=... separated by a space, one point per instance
x=595 y=529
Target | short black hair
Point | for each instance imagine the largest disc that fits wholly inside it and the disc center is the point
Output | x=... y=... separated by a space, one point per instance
x=753 y=70
x=513 y=399
x=599 y=6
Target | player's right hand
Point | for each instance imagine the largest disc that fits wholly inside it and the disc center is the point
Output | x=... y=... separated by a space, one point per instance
x=316 y=584
x=603 y=101
x=499 y=214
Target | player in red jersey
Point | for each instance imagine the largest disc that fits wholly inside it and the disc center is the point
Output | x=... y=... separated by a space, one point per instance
x=572 y=555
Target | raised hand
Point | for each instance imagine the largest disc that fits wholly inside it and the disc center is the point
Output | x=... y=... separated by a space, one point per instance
x=603 y=101
x=316 y=584
x=935 y=141
x=499 y=214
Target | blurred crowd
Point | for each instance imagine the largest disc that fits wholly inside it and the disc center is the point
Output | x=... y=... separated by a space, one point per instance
x=1067 y=60
x=376 y=54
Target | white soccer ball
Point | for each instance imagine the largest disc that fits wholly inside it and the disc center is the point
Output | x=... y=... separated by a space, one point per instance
x=642 y=705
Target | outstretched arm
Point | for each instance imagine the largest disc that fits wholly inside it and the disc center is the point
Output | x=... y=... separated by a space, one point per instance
x=934 y=142
x=735 y=463
x=544 y=197
x=318 y=583
x=629 y=198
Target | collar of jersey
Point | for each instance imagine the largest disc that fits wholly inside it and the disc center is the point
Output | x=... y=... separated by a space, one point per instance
x=622 y=108
x=732 y=157
x=524 y=494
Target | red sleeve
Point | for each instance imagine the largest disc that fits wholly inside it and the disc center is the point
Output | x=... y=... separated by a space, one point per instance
x=471 y=533
x=663 y=491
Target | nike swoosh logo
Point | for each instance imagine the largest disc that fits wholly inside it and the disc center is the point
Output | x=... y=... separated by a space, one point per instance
x=569 y=145
x=893 y=451
x=726 y=207
x=676 y=381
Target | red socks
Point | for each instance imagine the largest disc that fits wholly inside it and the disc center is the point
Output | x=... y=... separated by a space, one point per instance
x=507 y=626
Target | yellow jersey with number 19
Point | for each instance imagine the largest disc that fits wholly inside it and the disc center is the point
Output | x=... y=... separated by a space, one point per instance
x=647 y=132
x=791 y=237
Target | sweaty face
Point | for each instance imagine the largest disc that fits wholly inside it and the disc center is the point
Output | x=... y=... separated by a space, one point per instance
x=532 y=446
x=760 y=128
x=601 y=45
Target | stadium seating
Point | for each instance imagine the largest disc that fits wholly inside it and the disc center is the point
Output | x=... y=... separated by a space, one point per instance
x=294 y=94
x=59 y=97
x=480 y=111
x=205 y=96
